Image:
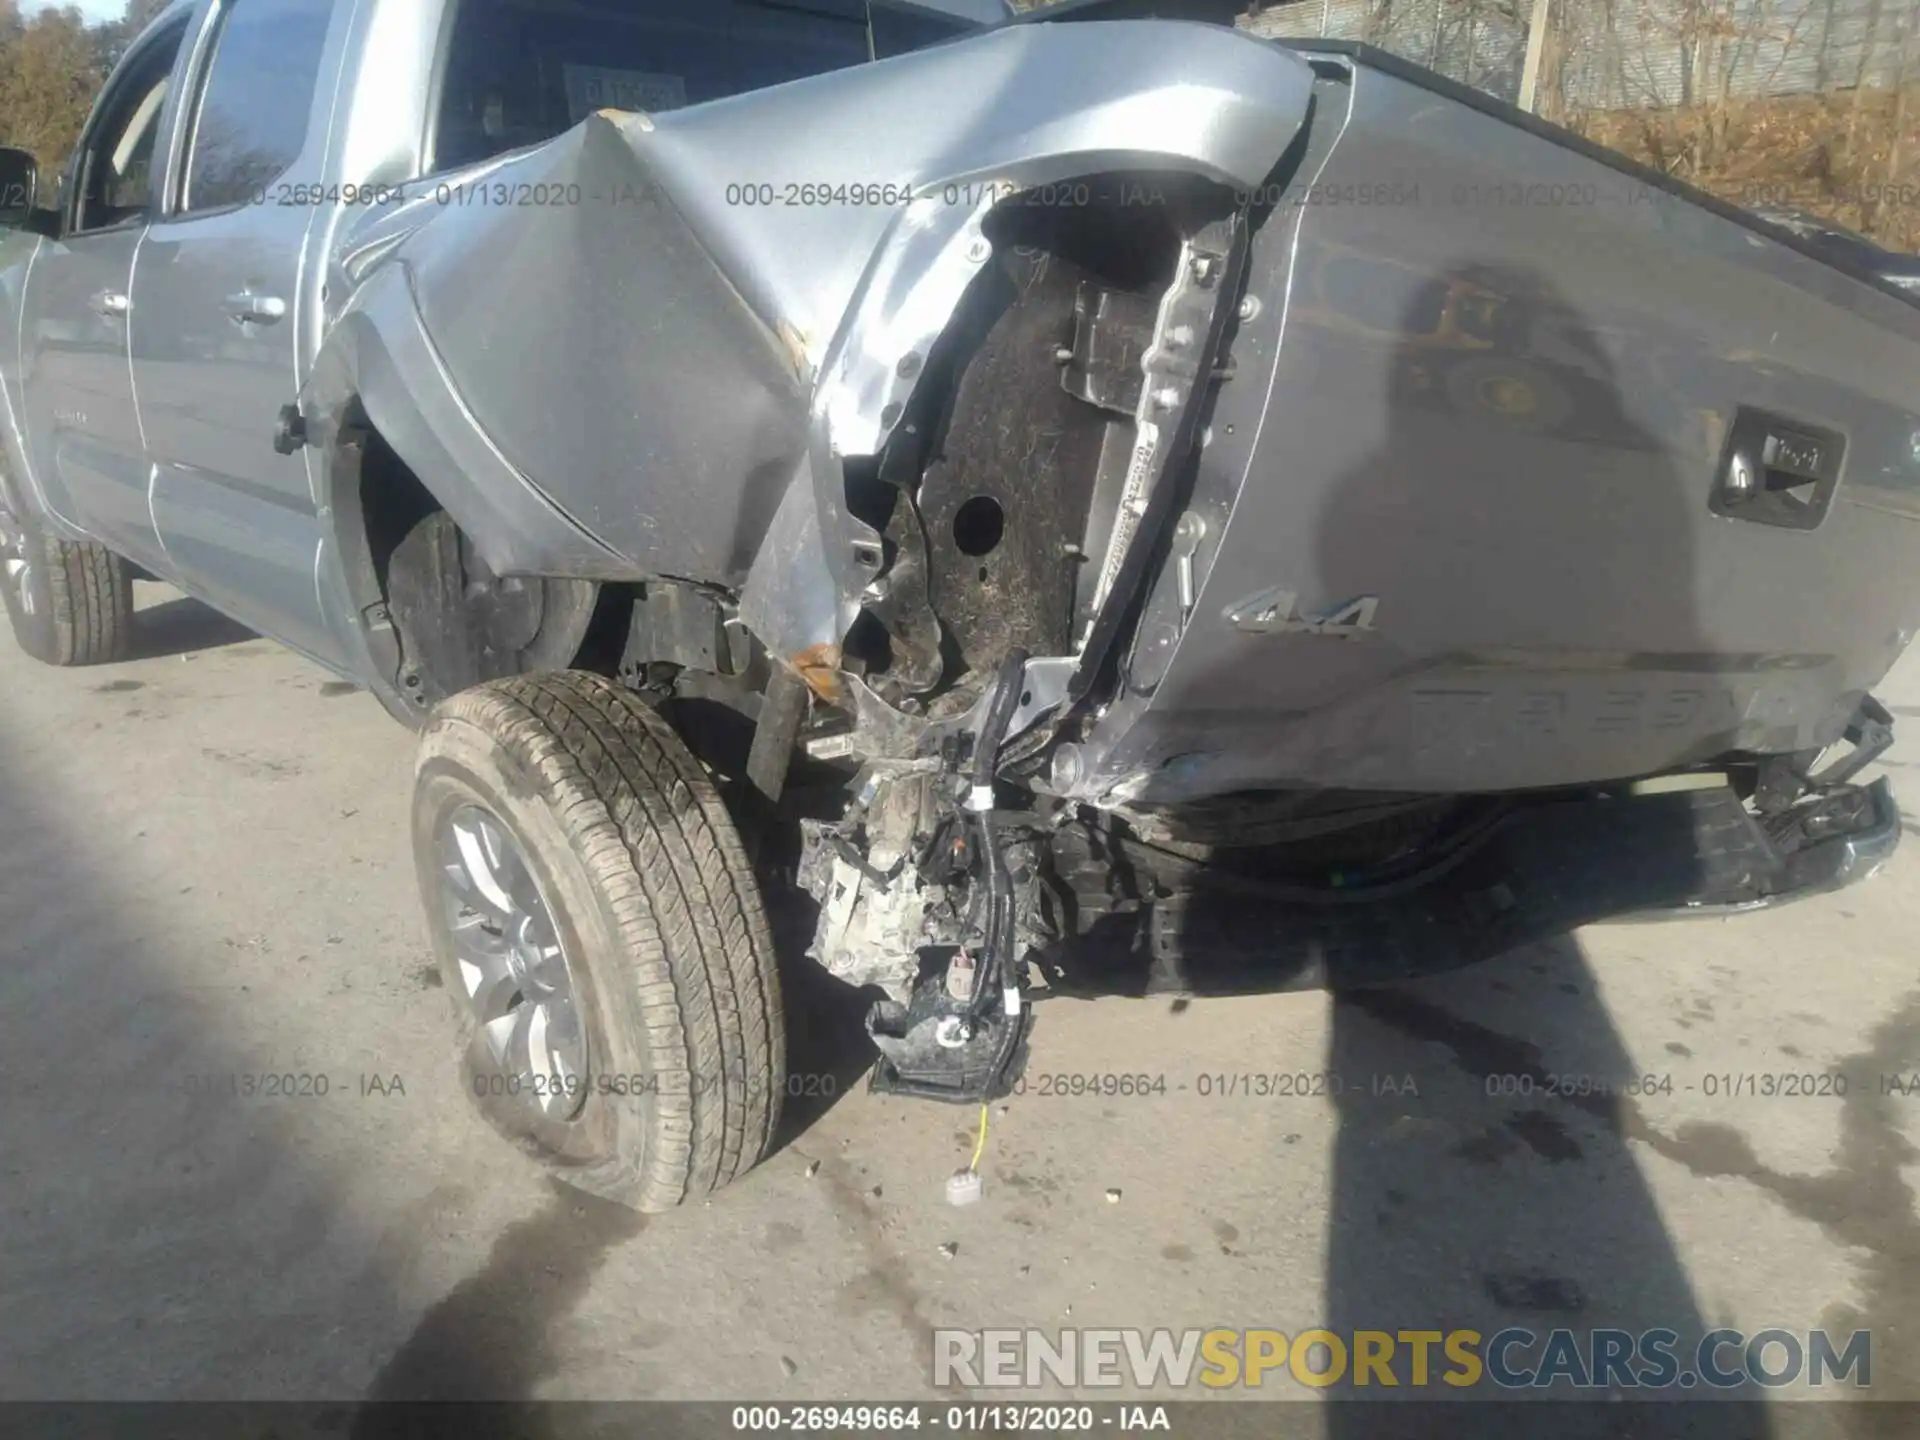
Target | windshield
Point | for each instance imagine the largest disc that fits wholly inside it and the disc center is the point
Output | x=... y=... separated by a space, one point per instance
x=522 y=71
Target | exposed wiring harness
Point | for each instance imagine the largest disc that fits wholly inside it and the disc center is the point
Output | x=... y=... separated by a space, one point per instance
x=997 y=957
x=998 y=969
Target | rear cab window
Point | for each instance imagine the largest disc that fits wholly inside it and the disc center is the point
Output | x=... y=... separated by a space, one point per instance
x=519 y=72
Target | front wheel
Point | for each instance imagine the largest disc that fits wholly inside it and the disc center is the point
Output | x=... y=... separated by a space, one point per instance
x=598 y=926
x=69 y=603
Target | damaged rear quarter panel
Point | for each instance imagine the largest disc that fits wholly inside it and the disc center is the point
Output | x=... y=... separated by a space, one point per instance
x=674 y=374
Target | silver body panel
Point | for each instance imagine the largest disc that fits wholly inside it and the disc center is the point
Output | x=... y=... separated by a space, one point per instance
x=224 y=318
x=76 y=390
x=1557 y=602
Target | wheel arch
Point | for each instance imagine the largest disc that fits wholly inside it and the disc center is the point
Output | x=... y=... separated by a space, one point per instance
x=406 y=540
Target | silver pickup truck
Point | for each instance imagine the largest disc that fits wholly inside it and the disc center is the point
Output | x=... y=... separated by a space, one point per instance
x=1086 y=498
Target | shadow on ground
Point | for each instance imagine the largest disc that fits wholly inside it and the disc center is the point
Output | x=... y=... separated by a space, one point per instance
x=183 y=625
x=173 y=1236
x=120 y=1137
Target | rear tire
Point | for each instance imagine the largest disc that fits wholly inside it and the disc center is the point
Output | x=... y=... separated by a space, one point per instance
x=631 y=1037
x=70 y=603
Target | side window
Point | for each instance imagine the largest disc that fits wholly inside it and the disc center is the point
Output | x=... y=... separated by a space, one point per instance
x=116 y=166
x=251 y=120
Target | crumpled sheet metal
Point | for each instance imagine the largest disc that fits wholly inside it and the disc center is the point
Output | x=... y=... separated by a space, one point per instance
x=661 y=331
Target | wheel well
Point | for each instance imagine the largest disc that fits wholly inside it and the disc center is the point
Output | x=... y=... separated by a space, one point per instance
x=392 y=501
x=438 y=618
x=1016 y=447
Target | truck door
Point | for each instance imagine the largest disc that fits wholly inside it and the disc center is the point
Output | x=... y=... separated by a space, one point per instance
x=221 y=289
x=80 y=425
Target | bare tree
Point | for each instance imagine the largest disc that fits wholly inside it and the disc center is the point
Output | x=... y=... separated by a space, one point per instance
x=1823 y=54
x=1861 y=77
x=1901 y=75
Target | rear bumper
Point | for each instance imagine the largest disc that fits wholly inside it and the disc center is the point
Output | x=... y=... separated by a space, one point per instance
x=1550 y=869
x=1832 y=864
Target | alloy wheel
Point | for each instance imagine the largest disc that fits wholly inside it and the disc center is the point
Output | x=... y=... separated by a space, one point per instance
x=513 y=965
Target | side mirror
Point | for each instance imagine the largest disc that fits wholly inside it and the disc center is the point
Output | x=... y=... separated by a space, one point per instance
x=19 y=186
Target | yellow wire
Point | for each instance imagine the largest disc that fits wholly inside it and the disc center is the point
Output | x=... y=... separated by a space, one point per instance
x=980 y=1144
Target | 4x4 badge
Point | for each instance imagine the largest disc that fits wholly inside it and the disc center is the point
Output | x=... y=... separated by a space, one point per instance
x=1277 y=612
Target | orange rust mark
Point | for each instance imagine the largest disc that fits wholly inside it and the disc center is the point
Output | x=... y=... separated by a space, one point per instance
x=819 y=666
x=624 y=117
x=796 y=347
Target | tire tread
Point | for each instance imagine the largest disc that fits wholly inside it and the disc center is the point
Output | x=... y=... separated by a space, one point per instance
x=91 y=591
x=685 y=906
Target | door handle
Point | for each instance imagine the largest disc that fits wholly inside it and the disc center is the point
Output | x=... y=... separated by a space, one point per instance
x=247 y=308
x=112 y=303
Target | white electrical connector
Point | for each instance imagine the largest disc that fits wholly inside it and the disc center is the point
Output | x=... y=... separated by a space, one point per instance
x=1011 y=995
x=980 y=799
x=961 y=972
x=964 y=1187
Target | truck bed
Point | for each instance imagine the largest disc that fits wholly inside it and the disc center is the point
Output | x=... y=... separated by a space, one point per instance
x=1468 y=515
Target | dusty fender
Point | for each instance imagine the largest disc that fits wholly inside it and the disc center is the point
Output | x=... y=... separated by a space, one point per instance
x=649 y=347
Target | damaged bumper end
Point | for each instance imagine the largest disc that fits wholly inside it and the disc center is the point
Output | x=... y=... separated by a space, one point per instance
x=1841 y=840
